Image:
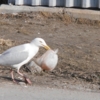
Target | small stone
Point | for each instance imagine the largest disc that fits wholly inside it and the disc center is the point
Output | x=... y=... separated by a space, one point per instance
x=22 y=83
x=20 y=78
x=50 y=35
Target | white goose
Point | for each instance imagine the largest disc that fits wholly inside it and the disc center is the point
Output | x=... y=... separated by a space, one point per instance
x=17 y=56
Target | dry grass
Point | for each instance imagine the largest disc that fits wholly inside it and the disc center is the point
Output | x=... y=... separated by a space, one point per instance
x=7 y=42
x=23 y=31
x=4 y=23
x=87 y=21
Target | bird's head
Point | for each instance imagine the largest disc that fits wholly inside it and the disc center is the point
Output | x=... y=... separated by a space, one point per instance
x=40 y=43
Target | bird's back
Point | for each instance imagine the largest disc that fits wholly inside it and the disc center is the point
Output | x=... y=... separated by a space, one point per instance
x=12 y=56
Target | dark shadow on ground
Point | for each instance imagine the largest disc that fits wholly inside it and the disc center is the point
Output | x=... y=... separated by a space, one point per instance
x=10 y=79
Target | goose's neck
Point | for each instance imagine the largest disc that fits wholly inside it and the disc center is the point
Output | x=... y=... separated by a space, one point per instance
x=34 y=46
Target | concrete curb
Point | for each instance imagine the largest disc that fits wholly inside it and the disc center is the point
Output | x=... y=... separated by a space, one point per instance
x=76 y=13
x=15 y=9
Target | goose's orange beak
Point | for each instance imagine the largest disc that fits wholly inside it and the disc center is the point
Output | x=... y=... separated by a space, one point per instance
x=47 y=47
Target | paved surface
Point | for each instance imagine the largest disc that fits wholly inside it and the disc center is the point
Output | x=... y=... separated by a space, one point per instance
x=13 y=9
x=78 y=13
x=17 y=92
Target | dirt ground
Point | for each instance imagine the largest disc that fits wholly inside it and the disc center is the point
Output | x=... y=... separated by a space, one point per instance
x=78 y=41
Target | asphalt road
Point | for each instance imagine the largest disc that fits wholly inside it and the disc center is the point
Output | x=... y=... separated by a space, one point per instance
x=18 y=92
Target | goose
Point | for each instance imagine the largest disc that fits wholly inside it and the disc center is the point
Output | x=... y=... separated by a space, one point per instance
x=17 y=56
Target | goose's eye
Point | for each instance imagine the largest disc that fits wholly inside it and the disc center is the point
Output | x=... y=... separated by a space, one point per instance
x=40 y=41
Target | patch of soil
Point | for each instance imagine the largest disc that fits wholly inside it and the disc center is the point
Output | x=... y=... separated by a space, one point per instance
x=78 y=41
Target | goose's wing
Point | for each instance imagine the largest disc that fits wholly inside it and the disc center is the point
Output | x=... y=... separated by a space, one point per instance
x=14 y=55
